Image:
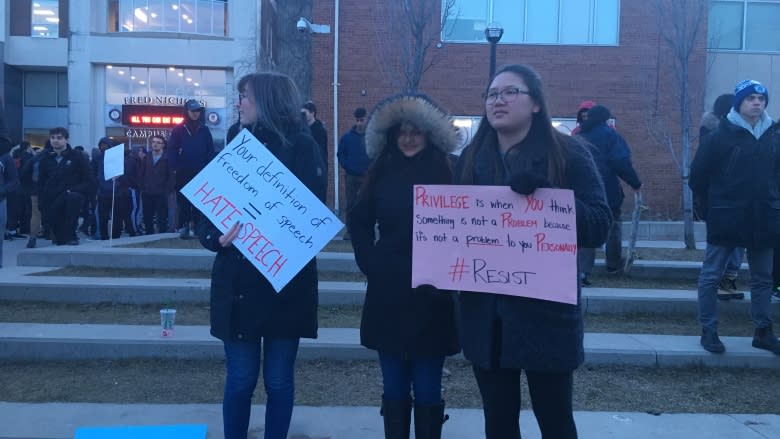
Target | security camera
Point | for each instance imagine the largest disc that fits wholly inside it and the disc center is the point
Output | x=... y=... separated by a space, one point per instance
x=302 y=25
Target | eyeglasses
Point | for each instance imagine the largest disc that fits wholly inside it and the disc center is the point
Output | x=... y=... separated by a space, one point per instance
x=507 y=95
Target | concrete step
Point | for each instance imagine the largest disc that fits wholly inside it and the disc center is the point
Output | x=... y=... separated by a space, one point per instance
x=36 y=342
x=172 y=259
x=16 y=286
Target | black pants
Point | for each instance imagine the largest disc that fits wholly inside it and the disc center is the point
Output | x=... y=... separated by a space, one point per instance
x=155 y=205
x=776 y=269
x=121 y=214
x=551 y=395
x=62 y=213
x=187 y=212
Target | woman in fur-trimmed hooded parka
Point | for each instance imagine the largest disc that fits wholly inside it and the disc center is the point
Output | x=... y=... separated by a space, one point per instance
x=413 y=329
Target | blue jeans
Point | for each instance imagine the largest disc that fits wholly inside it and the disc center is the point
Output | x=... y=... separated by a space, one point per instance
x=399 y=376
x=3 y=220
x=243 y=369
x=735 y=262
x=715 y=259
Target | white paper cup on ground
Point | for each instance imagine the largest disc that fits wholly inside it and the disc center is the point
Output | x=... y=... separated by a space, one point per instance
x=167 y=321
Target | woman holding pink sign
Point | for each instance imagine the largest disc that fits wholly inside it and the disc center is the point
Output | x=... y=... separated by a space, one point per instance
x=516 y=145
x=413 y=329
x=257 y=326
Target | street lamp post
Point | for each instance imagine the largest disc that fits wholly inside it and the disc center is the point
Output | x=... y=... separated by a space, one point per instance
x=493 y=33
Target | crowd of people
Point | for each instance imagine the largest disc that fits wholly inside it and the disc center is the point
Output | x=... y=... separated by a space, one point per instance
x=407 y=140
x=58 y=191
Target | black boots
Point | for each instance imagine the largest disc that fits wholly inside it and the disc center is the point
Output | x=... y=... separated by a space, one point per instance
x=711 y=342
x=428 y=421
x=764 y=338
x=397 y=417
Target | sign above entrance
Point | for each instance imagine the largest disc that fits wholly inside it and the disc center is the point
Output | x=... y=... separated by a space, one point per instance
x=151 y=116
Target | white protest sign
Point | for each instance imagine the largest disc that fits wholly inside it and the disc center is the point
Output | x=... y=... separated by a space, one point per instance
x=114 y=162
x=284 y=225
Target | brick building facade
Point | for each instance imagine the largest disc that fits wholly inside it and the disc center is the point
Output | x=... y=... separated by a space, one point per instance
x=634 y=78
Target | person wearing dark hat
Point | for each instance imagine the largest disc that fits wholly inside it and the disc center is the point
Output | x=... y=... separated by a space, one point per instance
x=735 y=172
x=613 y=161
x=412 y=329
x=727 y=288
x=190 y=148
x=353 y=158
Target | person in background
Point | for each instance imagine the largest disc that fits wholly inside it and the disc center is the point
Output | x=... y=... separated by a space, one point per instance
x=613 y=161
x=9 y=178
x=317 y=129
x=156 y=183
x=29 y=180
x=15 y=201
x=113 y=200
x=412 y=329
x=735 y=173
x=257 y=325
x=727 y=288
x=190 y=149
x=65 y=181
x=582 y=115
x=353 y=158
x=516 y=145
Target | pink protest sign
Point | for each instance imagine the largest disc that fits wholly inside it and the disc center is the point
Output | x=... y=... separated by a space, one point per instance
x=491 y=239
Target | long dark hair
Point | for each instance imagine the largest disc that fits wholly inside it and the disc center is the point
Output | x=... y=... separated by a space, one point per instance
x=541 y=129
x=278 y=104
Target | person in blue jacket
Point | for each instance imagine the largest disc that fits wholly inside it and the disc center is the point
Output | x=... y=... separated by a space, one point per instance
x=613 y=160
x=190 y=148
x=353 y=158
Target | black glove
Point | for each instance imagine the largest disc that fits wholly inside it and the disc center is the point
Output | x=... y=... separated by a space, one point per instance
x=526 y=183
x=427 y=288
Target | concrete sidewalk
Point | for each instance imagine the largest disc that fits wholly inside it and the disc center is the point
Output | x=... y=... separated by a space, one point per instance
x=55 y=420
x=35 y=341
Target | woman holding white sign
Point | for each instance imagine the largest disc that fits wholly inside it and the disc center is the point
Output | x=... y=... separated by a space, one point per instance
x=251 y=319
x=413 y=329
x=502 y=335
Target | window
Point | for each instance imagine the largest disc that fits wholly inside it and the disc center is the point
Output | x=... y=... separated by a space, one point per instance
x=45 y=89
x=163 y=83
x=203 y=17
x=581 y=22
x=45 y=18
x=744 y=25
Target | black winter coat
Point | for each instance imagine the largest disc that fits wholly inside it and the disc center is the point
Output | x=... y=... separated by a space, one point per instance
x=244 y=305
x=736 y=176
x=156 y=178
x=398 y=319
x=523 y=333
x=72 y=173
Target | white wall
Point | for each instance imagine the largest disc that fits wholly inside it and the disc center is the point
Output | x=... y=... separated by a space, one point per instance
x=725 y=70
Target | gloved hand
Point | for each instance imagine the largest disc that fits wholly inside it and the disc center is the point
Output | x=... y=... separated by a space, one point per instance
x=525 y=183
x=427 y=288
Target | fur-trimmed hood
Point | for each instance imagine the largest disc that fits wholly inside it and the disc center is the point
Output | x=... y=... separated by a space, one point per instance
x=416 y=109
x=710 y=121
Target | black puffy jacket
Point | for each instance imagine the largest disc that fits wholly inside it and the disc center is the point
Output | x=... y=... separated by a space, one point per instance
x=736 y=176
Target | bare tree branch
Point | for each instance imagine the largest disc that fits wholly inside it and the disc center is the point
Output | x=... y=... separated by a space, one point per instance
x=679 y=25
